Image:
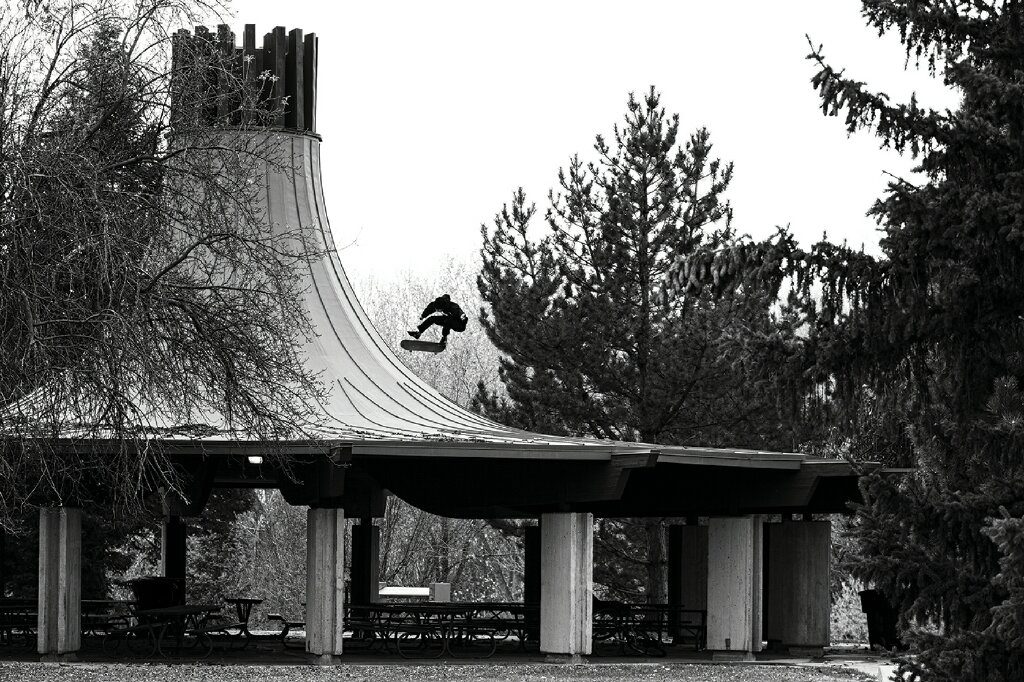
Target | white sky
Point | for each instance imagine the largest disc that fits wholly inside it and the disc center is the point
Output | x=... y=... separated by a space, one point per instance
x=432 y=113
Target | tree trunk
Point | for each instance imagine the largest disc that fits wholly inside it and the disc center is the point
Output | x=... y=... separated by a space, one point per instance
x=657 y=577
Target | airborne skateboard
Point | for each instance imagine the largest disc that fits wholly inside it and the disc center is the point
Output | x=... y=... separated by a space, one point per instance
x=425 y=346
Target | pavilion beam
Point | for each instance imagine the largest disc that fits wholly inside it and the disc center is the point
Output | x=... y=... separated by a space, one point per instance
x=325 y=583
x=797 y=613
x=734 y=587
x=566 y=598
x=59 y=625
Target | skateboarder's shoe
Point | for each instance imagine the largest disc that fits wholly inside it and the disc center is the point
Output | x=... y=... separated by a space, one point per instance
x=415 y=334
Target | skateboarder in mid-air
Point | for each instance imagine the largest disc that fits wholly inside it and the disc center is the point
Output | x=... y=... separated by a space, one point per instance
x=444 y=313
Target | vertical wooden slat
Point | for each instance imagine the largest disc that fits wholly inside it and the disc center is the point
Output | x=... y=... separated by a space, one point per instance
x=310 y=56
x=180 y=85
x=259 y=66
x=274 y=56
x=250 y=70
x=225 y=66
x=206 y=48
x=249 y=45
x=295 y=117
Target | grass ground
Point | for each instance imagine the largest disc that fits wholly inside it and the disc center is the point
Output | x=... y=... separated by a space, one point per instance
x=600 y=672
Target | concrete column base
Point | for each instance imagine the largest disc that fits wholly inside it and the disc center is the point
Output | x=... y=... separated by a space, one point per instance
x=327 y=659
x=732 y=656
x=806 y=651
x=71 y=657
x=565 y=659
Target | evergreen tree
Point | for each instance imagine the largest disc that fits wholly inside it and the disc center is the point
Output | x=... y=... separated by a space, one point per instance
x=590 y=346
x=927 y=339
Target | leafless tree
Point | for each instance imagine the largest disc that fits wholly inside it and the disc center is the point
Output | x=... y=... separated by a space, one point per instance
x=141 y=292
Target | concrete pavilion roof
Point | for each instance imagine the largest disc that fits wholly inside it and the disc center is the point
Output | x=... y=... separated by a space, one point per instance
x=405 y=437
x=420 y=445
x=377 y=405
x=400 y=434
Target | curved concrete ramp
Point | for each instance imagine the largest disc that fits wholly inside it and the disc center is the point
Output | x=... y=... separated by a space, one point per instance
x=373 y=395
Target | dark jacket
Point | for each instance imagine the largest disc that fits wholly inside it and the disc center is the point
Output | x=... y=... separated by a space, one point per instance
x=440 y=305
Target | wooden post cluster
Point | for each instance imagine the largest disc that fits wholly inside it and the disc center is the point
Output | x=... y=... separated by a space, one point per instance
x=218 y=83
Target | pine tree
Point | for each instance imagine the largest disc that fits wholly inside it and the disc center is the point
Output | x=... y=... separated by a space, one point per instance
x=590 y=345
x=928 y=337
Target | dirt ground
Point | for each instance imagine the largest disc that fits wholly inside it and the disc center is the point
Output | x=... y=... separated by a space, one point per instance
x=591 y=672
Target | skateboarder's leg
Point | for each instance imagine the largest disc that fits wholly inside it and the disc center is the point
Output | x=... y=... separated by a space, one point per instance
x=432 y=320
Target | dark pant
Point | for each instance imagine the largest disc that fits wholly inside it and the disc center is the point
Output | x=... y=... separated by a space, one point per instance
x=445 y=322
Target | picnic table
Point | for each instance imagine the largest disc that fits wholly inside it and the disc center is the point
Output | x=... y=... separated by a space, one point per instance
x=99 y=616
x=18 y=619
x=646 y=629
x=474 y=629
x=432 y=630
x=170 y=630
x=188 y=625
x=243 y=611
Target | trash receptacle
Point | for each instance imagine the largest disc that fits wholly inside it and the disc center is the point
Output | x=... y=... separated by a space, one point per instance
x=157 y=591
x=882 y=620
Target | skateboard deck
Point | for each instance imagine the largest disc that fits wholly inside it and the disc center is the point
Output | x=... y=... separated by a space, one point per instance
x=425 y=346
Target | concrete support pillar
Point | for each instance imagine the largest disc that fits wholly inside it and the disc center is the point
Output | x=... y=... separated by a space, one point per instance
x=365 y=563
x=567 y=586
x=59 y=633
x=687 y=571
x=531 y=565
x=325 y=582
x=798 y=584
x=734 y=587
x=173 y=549
x=3 y=562
x=532 y=581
